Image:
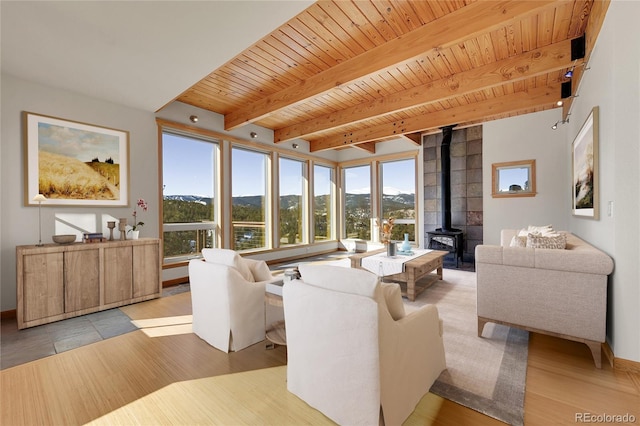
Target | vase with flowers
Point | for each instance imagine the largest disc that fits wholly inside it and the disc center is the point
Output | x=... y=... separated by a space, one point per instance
x=135 y=230
x=385 y=236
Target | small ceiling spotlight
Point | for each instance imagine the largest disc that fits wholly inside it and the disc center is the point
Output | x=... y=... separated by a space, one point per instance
x=569 y=73
x=295 y=145
x=555 y=125
x=560 y=103
x=194 y=118
x=253 y=135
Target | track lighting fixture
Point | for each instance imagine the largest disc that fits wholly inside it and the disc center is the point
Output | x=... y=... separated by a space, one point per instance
x=253 y=135
x=569 y=73
x=194 y=118
x=560 y=103
x=555 y=125
x=295 y=145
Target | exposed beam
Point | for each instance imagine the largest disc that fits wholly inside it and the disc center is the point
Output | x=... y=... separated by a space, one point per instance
x=367 y=146
x=416 y=138
x=519 y=67
x=463 y=24
x=477 y=111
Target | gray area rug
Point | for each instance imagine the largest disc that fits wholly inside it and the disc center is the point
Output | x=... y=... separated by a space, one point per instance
x=486 y=374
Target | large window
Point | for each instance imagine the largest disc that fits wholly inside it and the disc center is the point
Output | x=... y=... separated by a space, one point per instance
x=398 y=183
x=322 y=202
x=357 y=205
x=189 y=176
x=291 y=203
x=249 y=199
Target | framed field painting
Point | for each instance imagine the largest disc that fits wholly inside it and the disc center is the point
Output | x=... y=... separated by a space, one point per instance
x=75 y=164
x=585 y=168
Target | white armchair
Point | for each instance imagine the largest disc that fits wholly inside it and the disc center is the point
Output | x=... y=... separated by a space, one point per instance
x=351 y=349
x=227 y=296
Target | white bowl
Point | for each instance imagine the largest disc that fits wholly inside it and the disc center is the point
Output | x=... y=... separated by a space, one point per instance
x=64 y=239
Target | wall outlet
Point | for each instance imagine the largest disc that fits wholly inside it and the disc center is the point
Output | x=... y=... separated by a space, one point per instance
x=610 y=209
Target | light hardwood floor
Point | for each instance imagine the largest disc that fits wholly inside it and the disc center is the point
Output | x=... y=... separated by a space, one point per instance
x=84 y=384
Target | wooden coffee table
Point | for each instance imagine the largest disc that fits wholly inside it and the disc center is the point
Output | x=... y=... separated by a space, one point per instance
x=414 y=270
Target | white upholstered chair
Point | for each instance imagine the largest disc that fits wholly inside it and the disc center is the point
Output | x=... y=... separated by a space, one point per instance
x=227 y=295
x=351 y=350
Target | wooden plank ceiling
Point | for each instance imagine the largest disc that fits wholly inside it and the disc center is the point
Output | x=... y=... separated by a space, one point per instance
x=354 y=72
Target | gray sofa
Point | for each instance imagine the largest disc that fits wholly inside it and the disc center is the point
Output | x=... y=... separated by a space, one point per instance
x=552 y=291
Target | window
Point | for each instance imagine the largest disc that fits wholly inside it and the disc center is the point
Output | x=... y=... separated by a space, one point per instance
x=357 y=205
x=189 y=176
x=398 y=183
x=322 y=203
x=249 y=199
x=291 y=203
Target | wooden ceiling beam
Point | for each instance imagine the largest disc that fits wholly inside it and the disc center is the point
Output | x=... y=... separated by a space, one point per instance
x=476 y=111
x=367 y=146
x=537 y=62
x=416 y=138
x=451 y=29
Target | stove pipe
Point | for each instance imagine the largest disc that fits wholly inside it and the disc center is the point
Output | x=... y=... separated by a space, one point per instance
x=445 y=177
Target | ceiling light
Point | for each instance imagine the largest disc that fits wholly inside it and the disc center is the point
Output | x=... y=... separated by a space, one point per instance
x=555 y=126
x=253 y=135
x=559 y=103
x=569 y=73
x=194 y=118
x=295 y=145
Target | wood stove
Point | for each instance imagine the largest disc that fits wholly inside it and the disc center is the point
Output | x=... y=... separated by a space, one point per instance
x=446 y=238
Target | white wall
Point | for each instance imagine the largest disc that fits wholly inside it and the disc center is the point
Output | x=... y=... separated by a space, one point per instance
x=612 y=82
x=518 y=138
x=19 y=224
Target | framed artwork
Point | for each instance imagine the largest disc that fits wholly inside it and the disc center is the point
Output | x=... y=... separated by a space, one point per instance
x=584 y=183
x=75 y=164
x=513 y=179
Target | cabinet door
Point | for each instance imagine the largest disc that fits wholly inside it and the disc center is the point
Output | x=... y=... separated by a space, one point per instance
x=118 y=278
x=43 y=285
x=146 y=270
x=81 y=279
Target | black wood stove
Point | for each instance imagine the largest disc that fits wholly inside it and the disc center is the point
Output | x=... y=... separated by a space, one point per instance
x=446 y=238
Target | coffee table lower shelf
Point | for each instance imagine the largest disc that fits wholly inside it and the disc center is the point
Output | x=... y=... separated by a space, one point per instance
x=276 y=334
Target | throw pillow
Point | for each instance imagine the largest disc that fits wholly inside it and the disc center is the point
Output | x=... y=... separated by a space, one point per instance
x=229 y=258
x=259 y=269
x=558 y=241
x=544 y=230
x=518 y=241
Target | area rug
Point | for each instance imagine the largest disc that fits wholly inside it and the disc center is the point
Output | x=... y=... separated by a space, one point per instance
x=485 y=374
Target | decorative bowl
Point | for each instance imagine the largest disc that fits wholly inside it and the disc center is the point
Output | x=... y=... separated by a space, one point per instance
x=64 y=239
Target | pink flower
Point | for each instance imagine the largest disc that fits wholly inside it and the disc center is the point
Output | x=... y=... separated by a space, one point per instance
x=143 y=205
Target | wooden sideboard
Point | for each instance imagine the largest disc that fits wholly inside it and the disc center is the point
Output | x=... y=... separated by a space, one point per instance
x=56 y=282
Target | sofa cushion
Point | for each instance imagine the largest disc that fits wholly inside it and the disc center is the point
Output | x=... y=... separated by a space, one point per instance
x=555 y=241
x=229 y=258
x=518 y=241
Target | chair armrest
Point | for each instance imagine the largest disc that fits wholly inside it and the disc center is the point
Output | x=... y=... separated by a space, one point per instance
x=411 y=359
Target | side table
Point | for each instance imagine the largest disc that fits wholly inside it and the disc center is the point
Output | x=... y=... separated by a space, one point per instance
x=275 y=332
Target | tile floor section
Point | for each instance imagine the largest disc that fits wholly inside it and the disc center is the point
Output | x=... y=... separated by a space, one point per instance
x=21 y=346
